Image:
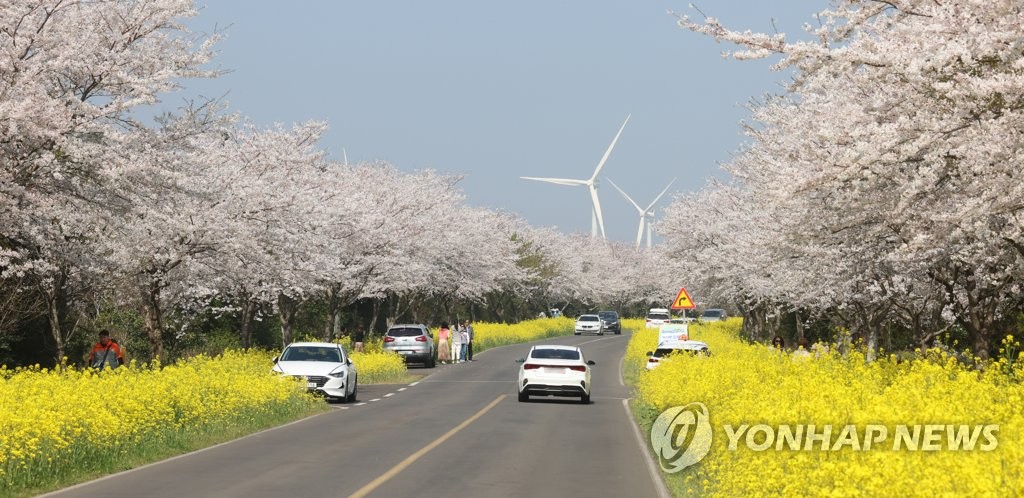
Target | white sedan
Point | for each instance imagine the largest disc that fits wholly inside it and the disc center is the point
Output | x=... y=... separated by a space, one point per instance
x=324 y=366
x=551 y=370
x=589 y=324
x=654 y=358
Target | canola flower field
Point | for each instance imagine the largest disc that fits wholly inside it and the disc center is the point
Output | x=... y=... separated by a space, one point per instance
x=490 y=335
x=747 y=384
x=66 y=425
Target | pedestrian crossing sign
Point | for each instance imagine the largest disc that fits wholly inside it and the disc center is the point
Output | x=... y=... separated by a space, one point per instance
x=683 y=301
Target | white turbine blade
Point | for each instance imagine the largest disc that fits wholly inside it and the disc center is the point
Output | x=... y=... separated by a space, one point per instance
x=597 y=209
x=559 y=181
x=609 y=151
x=624 y=194
x=345 y=154
x=640 y=232
x=656 y=199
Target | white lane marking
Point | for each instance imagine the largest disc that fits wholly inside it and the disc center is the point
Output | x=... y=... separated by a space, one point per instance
x=414 y=383
x=467 y=381
x=374 y=399
x=659 y=484
x=400 y=389
x=376 y=483
x=361 y=404
x=388 y=395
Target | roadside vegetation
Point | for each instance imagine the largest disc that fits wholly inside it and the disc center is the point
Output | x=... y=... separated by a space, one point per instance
x=744 y=383
x=66 y=425
x=491 y=335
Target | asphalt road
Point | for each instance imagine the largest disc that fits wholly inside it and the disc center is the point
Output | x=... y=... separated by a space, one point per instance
x=460 y=431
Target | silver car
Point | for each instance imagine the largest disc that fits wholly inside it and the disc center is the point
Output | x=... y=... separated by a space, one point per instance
x=413 y=342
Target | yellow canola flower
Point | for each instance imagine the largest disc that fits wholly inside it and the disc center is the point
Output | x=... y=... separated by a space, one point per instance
x=55 y=418
x=750 y=384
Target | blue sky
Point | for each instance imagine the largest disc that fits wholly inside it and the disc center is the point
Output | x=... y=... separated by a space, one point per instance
x=494 y=91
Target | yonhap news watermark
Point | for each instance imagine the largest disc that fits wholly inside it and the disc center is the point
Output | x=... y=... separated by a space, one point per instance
x=681 y=436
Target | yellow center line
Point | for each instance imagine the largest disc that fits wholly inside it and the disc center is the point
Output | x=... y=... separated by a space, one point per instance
x=376 y=483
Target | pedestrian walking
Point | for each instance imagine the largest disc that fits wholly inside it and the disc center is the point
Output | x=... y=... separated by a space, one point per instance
x=444 y=353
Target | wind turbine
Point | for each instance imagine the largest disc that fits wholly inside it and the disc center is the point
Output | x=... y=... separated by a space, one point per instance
x=645 y=214
x=596 y=220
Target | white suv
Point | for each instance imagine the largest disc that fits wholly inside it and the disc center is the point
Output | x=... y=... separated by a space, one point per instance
x=656 y=317
x=413 y=342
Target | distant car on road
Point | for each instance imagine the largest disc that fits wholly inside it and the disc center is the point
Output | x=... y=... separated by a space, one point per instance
x=654 y=358
x=611 y=321
x=589 y=324
x=656 y=317
x=713 y=315
x=554 y=370
x=324 y=366
x=413 y=342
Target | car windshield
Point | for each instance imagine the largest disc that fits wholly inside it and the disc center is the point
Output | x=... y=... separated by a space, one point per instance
x=658 y=316
x=555 y=354
x=712 y=313
x=609 y=316
x=311 y=353
x=589 y=318
x=405 y=332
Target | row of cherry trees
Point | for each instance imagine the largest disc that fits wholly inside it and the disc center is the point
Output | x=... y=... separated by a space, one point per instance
x=103 y=203
x=886 y=185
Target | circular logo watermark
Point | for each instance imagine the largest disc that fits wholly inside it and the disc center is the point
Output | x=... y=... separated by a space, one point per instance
x=681 y=436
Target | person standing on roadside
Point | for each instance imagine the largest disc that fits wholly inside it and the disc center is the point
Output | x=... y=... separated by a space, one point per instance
x=106 y=352
x=468 y=326
x=464 y=332
x=457 y=344
x=443 y=350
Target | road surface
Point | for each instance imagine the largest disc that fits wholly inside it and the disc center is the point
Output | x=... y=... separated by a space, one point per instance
x=460 y=431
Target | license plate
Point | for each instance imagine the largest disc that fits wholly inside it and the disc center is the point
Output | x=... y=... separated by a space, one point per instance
x=311 y=385
x=555 y=370
x=405 y=352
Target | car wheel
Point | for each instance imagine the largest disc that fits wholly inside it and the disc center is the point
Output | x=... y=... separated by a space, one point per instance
x=585 y=399
x=523 y=397
x=355 y=388
x=431 y=362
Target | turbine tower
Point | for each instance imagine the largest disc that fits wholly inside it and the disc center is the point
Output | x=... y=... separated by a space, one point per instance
x=646 y=215
x=596 y=220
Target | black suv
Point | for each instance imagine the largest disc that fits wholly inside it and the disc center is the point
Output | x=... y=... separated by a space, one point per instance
x=611 y=321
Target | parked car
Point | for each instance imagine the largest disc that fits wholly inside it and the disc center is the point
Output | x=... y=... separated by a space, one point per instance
x=413 y=342
x=656 y=317
x=325 y=366
x=713 y=315
x=611 y=321
x=589 y=324
x=654 y=358
x=554 y=370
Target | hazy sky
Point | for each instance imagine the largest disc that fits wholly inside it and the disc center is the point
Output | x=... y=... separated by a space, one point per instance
x=494 y=91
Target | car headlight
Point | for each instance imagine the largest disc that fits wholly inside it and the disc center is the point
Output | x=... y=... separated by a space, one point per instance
x=338 y=372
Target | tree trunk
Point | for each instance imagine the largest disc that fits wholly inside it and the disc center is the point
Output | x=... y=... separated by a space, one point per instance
x=248 y=312
x=373 y=319
x=287 y=307
x=57 y=306
x=153 y=315
x=799 y=326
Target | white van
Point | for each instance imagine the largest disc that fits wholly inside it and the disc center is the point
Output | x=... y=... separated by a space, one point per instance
x=656 y=317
